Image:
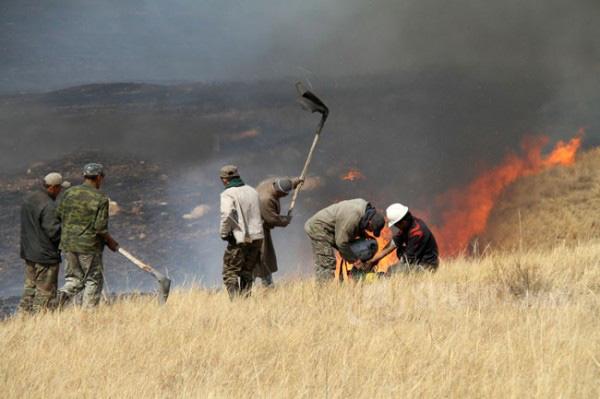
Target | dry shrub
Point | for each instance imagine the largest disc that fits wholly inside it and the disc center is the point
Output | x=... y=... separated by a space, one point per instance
x=521 y=278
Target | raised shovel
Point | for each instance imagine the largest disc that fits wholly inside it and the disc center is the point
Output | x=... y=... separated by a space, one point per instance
x=310 y=102
x=164 y=283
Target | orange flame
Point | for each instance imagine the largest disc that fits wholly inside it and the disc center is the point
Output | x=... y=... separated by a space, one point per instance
x=468 y=208
x=353 y=174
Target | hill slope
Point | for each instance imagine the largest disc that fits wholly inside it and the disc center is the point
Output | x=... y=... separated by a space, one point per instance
x=559 y=206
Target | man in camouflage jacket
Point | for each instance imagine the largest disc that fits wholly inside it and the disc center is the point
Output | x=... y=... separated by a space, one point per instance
x=83 y=212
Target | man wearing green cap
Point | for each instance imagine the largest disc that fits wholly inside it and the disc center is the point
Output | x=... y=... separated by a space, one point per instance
x=83 y=212
x=335 y=228
x=241 y=227
x=40 y=236
x=270 y=191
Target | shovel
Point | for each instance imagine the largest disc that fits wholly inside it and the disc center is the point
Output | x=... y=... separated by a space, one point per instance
x=164 y=283
x=310 y=102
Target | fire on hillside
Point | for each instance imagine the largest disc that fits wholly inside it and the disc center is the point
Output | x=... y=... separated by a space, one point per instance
x=464 y=211
x=467 y=209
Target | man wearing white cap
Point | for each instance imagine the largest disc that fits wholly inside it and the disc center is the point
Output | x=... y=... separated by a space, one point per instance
x=414 y=243
x=40 y=237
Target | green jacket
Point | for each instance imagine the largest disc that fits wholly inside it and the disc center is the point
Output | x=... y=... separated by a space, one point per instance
x=83 y=212
x=338 y=224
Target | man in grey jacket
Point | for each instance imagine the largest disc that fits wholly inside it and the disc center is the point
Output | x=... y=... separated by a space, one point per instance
x=40 y=236
x=241 y=226
x=335 y=227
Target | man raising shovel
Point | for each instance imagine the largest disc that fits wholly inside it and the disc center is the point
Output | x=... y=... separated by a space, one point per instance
x=270 y=191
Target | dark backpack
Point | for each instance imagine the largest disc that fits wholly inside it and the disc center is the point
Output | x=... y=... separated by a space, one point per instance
x=364 y=249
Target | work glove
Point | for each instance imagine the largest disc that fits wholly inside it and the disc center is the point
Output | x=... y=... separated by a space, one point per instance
x=112 y=244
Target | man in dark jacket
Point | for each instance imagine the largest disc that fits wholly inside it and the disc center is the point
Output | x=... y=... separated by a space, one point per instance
x=270 y=191
x=414 y=243
x=40 y=237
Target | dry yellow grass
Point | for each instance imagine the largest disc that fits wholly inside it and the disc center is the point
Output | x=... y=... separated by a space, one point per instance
x=508 y=325
x=555 y=207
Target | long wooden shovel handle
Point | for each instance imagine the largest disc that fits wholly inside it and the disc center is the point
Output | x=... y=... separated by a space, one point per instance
x=144 y=266
x=307 y=162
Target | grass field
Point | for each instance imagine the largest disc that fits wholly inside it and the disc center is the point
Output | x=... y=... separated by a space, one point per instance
x=507 y=325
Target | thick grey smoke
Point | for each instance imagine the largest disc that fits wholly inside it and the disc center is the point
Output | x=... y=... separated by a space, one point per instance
x=54 y=44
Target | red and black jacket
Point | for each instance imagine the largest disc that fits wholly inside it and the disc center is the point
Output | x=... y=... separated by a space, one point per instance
x=417 y=245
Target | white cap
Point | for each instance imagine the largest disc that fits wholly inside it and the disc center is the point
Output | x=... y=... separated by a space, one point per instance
x=395 y=212
x=56 y=179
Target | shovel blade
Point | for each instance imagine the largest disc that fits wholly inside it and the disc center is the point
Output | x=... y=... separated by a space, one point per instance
x=164 y=287
x=309 y=101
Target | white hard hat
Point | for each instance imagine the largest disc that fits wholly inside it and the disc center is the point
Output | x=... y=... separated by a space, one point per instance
x=394 y=213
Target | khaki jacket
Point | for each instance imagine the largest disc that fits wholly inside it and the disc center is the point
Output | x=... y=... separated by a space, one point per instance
x=270 y=209
x=338 y=224
x=240 y=214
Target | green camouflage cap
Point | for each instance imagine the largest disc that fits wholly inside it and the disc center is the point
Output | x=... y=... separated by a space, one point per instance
x=229 y=171
x=93 y=169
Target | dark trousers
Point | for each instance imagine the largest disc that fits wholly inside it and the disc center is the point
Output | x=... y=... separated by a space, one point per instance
x=39 y=290
x=239 y=262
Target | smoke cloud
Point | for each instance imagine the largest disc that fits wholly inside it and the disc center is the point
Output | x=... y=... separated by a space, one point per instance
x=47 y=45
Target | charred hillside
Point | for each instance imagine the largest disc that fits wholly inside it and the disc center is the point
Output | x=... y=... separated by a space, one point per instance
x=144 y=216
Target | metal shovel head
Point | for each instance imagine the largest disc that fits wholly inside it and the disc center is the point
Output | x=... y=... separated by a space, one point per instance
x=164 y=287
x=309 y=101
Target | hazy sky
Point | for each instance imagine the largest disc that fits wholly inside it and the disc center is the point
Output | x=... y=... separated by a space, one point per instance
x=56 y=43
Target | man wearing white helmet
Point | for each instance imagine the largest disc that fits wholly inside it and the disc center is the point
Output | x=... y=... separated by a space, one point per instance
x=414 y=243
